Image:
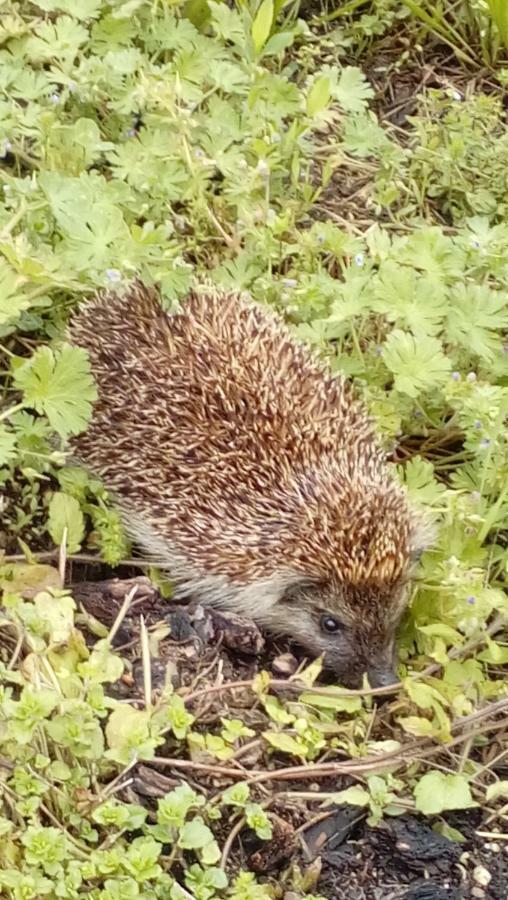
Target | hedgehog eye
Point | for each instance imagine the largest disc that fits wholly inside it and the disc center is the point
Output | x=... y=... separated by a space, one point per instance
x=330 y=624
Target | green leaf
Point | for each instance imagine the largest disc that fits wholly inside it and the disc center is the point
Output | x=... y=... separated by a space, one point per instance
x=175 y=805
x=496 y=654
x=12 y=300
x=7 y=445
x=419 y=479
x=438 y=791
x=195 y=835
x=60 y=40
x=258 y=820
x=318 y=96
x=66 y=519
x=338 y=704
x=354 y=795
x=236 y=795
x=57 y=613
x=496 y=790
x=60 y=386
x=477 y=317
x=262 y=24
x=409 y=299
x=452 y=834
x=285 y=742
x=102 y=665
x=417 y=726
x=417 y=364
x=439 y=629
x=128 y=734
x=352 y=90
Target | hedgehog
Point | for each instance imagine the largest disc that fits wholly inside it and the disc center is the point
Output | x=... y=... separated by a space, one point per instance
x=249 y=471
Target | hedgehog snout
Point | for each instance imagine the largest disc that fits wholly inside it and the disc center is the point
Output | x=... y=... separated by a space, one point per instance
x=381 y=670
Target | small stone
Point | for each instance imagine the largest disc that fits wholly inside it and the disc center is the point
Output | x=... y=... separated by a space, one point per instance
x=482 y=876
x=478 y=893
x=285 y=664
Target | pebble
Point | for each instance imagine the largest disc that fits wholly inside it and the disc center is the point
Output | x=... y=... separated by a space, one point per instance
x=285 y=664
x=482 y=876
x=478 y=893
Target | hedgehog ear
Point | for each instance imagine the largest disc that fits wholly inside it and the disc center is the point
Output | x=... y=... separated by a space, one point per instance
x=294 y=587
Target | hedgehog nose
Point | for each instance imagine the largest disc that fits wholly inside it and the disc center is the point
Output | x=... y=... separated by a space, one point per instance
x=382 y=676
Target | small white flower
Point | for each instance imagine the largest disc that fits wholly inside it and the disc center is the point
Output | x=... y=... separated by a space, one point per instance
x=359 y=259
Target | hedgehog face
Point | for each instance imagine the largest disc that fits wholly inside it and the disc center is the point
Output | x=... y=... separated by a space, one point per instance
x=352 y=627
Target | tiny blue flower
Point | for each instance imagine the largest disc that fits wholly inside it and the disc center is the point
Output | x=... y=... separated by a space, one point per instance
x=485 y=442
x=55 y=98
x=131 y=132
x=475 y=244
x=113 y=275
x=477 y=424
x=456 y=376
x=198 y=153
x=359 y=259
x=289 y=282
x=471 y=600
x=379 y=350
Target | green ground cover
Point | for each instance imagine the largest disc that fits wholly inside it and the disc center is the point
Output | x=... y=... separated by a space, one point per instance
x=250 y=144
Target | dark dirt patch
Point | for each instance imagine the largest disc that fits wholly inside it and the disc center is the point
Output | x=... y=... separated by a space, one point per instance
x=404 y=859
